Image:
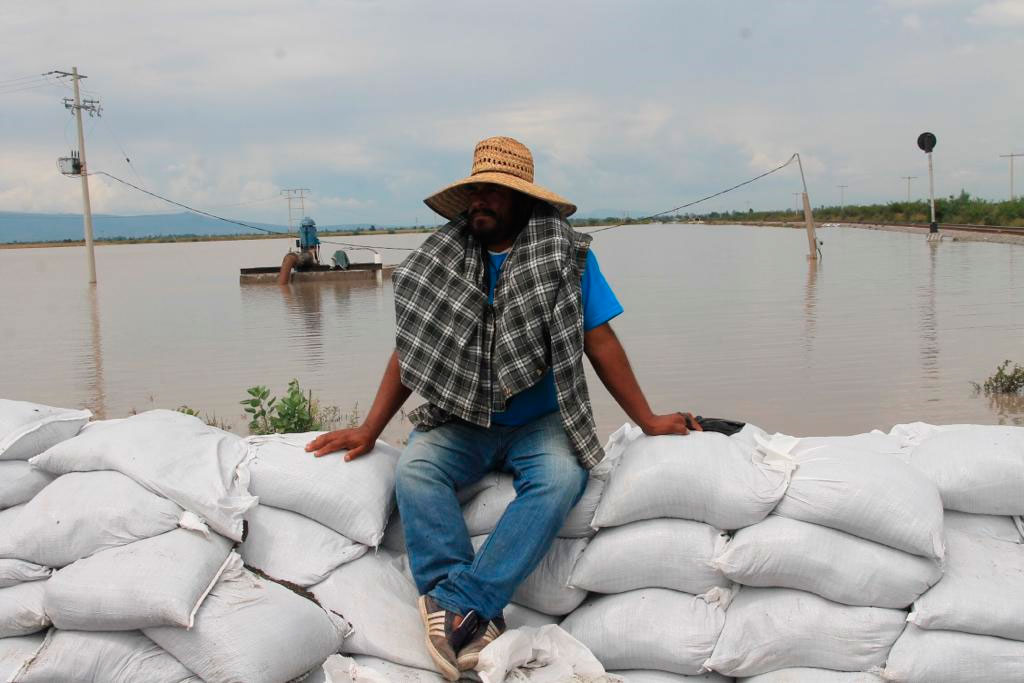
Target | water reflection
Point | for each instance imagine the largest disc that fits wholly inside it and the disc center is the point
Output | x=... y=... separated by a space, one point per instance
x=1008 y=407
x=928 y=324
x=95 y=387
x=810 y=308
x=303 y=308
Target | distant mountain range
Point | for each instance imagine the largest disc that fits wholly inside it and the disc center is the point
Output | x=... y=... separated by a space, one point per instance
x=56 y=227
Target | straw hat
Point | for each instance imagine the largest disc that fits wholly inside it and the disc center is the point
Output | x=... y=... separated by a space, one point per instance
x=501 y=161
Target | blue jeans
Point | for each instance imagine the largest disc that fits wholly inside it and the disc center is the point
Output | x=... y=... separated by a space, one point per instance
x=548 y=480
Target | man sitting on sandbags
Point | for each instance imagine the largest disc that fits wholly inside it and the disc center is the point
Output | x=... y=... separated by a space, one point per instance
x=494 y=313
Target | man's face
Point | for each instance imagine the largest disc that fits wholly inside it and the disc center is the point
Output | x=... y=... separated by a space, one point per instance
x=495 y=212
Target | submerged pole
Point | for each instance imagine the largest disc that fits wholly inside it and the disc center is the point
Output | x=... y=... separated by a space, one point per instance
x=812 y=236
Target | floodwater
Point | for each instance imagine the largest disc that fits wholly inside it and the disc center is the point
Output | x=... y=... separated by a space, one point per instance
x=724 y=321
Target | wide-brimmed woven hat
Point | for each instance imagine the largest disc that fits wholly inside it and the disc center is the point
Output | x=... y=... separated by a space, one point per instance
x=501 y=161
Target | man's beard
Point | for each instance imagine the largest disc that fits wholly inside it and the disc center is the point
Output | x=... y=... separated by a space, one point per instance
x=497 y=233
x=503 y=229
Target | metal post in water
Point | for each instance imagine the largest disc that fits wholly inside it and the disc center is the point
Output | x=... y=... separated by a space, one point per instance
x=86 y=206
x=926 y=142
x=934 y=227
x=812 y=236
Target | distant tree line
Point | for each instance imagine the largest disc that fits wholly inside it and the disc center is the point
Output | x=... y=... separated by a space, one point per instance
x=962 y=208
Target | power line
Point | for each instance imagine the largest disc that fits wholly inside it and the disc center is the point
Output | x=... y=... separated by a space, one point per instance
x=235 y=222
x=370 y=246
x=20 y=78
x=42 y=83
x=702 y=199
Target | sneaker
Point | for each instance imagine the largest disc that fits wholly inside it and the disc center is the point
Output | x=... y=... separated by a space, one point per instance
x=486 y=632
x=443 y=638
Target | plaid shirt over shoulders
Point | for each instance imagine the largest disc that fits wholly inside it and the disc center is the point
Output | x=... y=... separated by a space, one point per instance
x=468 y=357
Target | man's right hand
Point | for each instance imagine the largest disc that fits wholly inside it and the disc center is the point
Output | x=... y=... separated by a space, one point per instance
x=357 y=441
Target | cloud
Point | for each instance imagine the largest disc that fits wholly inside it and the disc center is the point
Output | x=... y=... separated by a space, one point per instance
x=912 y=21
x=375 y=105
x=1005 y=13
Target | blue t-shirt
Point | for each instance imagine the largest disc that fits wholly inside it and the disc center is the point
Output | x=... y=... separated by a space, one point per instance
x=599 y=306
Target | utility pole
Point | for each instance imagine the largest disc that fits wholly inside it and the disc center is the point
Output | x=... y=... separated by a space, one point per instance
x=296 y=197
x=842 y=199
x=796 y=202
x=76 y=105
x=908 y=178
x=812 y=236
x=1011 y=157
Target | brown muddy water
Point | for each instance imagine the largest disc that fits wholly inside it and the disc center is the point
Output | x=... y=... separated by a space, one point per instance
x=725 y=321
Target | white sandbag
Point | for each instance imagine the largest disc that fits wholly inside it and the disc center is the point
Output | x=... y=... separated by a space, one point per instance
x=913 y=434
x=981 y=592
x=82 y=513
x=7 y=517
x=13 y=572
x=19 y=481
x=111 y=657
x=21 y=609
x=362 y=669
x=650 y=676
x=806 y=675
x=705 y=477
x=153 y=582
x=285 y=545
x=655 y=553
x=871 y=495
x=471 y=491
x=977 y=469
x=483 y=511
x=16 y=651
x=517 y=616
x=380 y=602
x=874 y=442
x=747 y=436
x=253 y=630
x=787 y=553
x=547 y=587
x=201 y=468
x=998 y=527
x=653 y=628
x=540 y=655
x=28 y=429
x=353 y=498
x=924 y=656
x=774 y=628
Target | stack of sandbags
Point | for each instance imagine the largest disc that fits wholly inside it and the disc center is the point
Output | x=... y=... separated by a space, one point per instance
x=660 y=523
x=26 y=430
x=139 y=525
x=856 y=539
x=968 y=627
x=377 y=594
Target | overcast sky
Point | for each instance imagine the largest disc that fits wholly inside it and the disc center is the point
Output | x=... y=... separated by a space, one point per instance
x=632 y=106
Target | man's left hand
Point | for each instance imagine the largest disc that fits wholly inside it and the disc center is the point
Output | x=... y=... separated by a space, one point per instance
x=673 y=423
